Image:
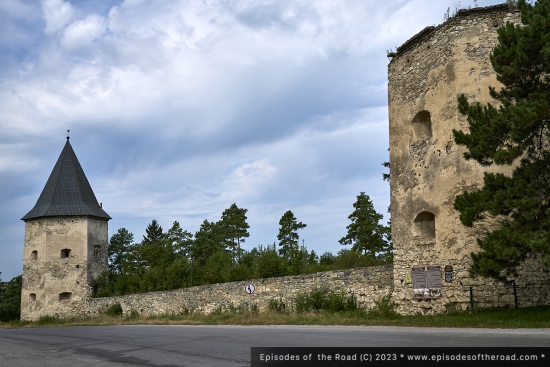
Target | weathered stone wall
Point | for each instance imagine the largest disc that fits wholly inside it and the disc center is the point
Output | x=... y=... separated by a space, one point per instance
x=428 y=170
x=368 y=284
x=47 y=273
x=97 y=248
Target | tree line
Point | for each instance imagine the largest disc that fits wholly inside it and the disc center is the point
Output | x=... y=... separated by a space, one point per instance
x=176 y=258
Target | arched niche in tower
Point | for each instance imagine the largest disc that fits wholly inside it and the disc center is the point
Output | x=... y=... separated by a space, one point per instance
x=421 y=128
x=65 y=296
x=423 y=229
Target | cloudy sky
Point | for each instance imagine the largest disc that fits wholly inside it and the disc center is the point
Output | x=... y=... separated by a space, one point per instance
x=177 y=109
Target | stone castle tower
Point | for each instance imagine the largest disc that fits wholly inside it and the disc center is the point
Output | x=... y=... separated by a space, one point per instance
x=66 y=242
x=432 y=248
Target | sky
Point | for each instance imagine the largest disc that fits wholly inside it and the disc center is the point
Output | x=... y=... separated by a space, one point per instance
x=178 y=109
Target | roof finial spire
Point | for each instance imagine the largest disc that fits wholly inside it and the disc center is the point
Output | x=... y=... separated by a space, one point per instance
x=68 y=134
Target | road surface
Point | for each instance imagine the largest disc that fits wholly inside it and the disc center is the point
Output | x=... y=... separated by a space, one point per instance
x=163 y=345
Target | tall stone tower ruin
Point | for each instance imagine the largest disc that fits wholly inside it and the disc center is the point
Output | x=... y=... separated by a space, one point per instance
x=66 y=242
x=432 y=247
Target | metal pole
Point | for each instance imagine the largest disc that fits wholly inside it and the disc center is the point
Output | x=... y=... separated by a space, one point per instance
x=471 y=299
x=515 y=294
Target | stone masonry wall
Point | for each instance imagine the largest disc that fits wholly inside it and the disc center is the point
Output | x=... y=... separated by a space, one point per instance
x=53 y=284
x=425 y=77
x=368 y=284
x=46 y=274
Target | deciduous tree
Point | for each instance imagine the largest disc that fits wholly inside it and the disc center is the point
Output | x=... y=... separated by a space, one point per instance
x=10 y=299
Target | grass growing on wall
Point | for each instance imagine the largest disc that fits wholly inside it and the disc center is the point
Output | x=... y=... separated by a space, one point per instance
x=380 y=315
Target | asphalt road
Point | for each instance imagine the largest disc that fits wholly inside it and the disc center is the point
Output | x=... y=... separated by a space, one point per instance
x=160 y=345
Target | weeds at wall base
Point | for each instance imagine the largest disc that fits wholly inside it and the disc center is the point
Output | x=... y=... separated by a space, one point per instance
x=532 y=317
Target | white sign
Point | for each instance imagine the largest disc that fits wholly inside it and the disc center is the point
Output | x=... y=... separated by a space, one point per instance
x=249 y=288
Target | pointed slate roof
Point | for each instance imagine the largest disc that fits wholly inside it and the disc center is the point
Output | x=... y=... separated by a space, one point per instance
x=67 y=191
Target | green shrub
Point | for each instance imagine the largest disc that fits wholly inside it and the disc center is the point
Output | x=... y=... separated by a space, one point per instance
x=322 y=300
x=275 y=305
x=269 y=264
x=384 y=308
x=339 y=302
x=114 y=310
x=48 y=320
x=133 y=315
x=232 y=309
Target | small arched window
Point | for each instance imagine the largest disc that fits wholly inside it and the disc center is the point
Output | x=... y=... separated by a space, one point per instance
x=65 y=253
x=422 y=126
x=423 y=229
x=32 y=297
x=65 y=296
x=34 y=255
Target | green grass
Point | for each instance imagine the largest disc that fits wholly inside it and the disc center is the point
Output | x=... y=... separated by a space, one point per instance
x=532 y=317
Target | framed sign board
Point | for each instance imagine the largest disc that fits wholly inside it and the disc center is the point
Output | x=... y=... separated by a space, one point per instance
x=426 y=282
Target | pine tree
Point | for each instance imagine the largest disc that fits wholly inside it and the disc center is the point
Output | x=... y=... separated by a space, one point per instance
x=365 y=234
x=119 y=245
x=151 y=251
x=516 y=132
x=288 y=234
x=180 y=241
x=209 y=239
x=235 y=229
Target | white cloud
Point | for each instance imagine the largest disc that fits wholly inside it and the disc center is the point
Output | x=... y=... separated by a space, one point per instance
x=81 y=33
x=57 y=14
x=247 y=180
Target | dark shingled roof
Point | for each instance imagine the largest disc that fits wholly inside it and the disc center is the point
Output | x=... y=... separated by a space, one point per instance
x=67 y=191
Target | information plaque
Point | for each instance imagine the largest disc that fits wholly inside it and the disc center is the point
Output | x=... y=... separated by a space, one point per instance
x=426 y=282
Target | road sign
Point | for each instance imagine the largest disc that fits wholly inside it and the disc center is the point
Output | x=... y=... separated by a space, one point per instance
x=249 y=288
